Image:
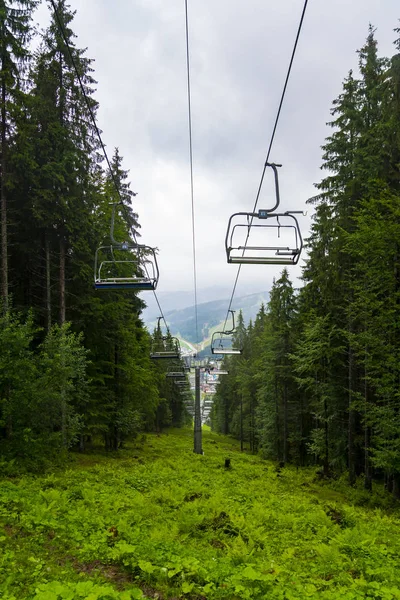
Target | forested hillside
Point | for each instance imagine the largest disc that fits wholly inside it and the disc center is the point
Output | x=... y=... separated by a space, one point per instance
x=74 y=362
x=209 y=315
x=320 y=371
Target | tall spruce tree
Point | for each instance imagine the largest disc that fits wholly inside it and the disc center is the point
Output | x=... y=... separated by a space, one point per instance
x=15 y=33
x=66 y=147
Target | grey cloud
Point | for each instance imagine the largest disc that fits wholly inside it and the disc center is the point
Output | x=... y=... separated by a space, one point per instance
x=239 y=56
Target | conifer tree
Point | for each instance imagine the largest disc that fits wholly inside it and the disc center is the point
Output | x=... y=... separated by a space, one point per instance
x=66 y=144
x=15 y=33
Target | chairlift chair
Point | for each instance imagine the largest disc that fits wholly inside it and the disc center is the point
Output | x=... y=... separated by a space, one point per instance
x=138 y=270
x=187 y=361
x=176 y=374
x=274 y=239
x=125 y=265
x=167 y=348
x=281 y=231
x=176 y=370
x=222 y=343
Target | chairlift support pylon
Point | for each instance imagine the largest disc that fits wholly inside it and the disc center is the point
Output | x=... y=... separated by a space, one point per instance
x=286 y=244
x=125 y=265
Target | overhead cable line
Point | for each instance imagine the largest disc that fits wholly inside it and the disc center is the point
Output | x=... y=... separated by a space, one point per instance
x=268 y=152
x=191 y=169
x=91 y=113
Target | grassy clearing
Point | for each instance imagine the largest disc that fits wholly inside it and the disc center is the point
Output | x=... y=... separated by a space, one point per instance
x=160 y=522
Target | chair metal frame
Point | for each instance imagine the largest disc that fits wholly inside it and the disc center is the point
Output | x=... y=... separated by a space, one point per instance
x=167 y=353
x=218 y=348
x=142 y=259
x=284 y=255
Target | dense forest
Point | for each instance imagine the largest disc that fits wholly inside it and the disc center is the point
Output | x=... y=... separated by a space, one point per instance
x=319 y=378
x=317 y=385
x=74 y=363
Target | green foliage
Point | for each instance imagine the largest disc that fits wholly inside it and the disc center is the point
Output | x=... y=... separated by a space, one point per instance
x=41 y=390
x=64 y=389
x=318 y=380
x=161 y=520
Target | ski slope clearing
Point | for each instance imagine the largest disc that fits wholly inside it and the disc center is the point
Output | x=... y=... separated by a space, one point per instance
x=158 y=521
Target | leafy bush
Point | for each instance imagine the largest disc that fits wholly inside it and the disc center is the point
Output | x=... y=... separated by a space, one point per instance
x=42 y=391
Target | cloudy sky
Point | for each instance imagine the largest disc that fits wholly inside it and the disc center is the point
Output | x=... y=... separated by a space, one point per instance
x=239 y=57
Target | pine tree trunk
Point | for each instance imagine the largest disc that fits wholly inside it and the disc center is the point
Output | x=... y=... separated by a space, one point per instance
x=278 y=432
x=367 y=464
x=396 y=486
x=62 y=239
x=4 y=243
x=62 y=321
x=301 y=453
x=63 y=399
x=352 y=421
x=367 y=436
x=285 y=422
x=3 y=211
x=115 y=434
x=226 y=417
x=241 y=422
x=48 y=284
x=252 y=428
x=326 y=457
x=62 y=280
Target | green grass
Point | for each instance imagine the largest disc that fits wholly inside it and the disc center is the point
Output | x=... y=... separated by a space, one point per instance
x=158 y=521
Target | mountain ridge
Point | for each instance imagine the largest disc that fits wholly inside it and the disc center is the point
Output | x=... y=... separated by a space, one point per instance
x=182 y=322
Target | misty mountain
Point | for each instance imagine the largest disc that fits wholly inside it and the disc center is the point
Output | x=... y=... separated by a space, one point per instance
x=177 y=300
x=210 y=314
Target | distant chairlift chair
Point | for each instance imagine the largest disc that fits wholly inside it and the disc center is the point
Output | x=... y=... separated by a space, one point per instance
x=177 y=370
x=222 y=341
x=125 y=265
x=167 y=348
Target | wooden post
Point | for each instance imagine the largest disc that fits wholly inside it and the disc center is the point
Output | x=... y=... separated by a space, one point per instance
x=197 y=416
